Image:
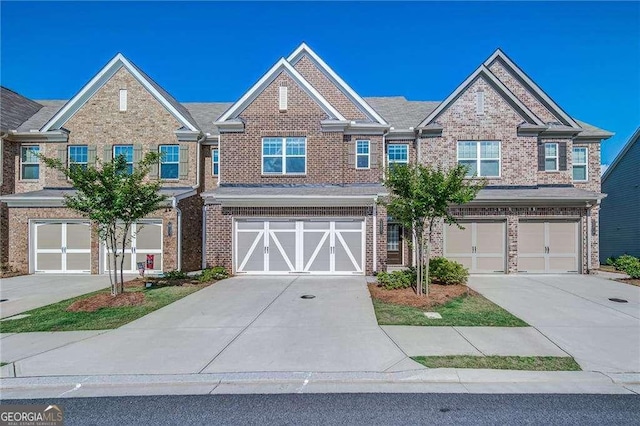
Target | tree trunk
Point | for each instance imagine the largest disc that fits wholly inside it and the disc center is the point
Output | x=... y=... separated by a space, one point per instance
x=114 y=245
x=124 y=243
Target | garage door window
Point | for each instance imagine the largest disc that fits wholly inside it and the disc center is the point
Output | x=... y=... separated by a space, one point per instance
x=482 y=158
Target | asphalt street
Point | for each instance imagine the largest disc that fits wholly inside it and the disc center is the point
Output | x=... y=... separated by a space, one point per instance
x=350 y=409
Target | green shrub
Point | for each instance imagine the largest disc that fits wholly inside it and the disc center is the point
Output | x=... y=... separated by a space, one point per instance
x=215 y=273
x=445 y=271
x=625 y=261
x=634 y=270
x=395 y=280
x=611 y=261
x=175 y=275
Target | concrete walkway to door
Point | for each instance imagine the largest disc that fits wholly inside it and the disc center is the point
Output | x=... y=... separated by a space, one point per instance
x=243 y=324
x=574 y=311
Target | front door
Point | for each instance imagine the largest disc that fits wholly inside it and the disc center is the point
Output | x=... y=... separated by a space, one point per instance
x=394 y=244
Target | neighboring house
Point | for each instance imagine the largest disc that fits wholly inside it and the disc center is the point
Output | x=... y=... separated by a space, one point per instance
x=620 y=211
x=288 y=178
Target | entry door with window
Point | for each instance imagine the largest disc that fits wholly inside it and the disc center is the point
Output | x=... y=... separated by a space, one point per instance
x=394 y=244
x=63 y=247
x=551 y=246
x=143 y=239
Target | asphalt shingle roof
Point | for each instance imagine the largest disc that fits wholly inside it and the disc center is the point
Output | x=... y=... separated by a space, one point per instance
x=401 y=113
x=15 y=109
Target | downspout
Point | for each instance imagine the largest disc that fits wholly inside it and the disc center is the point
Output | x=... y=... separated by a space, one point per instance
x=375 y=233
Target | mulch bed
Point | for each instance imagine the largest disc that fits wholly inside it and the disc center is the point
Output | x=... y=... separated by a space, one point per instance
x=106 y=300
x=159 y=282
x=632 y=281
x=438 y=295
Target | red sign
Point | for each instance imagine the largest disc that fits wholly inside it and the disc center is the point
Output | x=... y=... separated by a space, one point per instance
x=150 y=261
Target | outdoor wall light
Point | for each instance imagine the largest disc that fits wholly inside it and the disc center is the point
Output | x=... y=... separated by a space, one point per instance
x=169 y=229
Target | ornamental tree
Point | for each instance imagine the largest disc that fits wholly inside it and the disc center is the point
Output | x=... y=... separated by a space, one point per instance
x=419 y=197
x=113 y=197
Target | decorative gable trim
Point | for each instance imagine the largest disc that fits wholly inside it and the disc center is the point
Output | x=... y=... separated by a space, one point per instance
x=530 y=85
x=483 y=72
x=119 y=61
x=303 y=50
x=281 y=66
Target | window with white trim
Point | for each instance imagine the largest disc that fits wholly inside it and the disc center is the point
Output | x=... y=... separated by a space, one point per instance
x=215 y=162
x=398 y=153
x=29 y=162
x=362 y=154
x=169 y=161
x=78 y=156
x=551 y=157
x=127 y=152
x=482 y=158
x=580 y=164
x=284 y=156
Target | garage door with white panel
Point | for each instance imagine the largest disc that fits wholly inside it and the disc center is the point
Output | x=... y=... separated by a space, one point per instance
x=62 y=246
x=322 y=246
x=480 y=246
x=548 y=246
x=144 y=244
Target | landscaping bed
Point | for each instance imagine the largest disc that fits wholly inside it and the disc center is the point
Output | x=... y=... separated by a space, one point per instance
x=631 y=281
x=100 y=311
x=528 y=363
x=457 y=305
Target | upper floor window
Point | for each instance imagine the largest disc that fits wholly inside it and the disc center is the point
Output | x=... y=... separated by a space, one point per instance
x=284 y=156
x=169 y=161
x=580 y=156
x=551 y=157
x=29 y=162
x=398 y=153
x=127 y=152
x=78 y=156
x=215 y=162
x=482 y=158
x=362 y=154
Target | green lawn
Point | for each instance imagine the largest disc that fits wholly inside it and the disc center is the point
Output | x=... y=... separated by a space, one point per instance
x=530 y=363
x=55 y=318
x=466 y=310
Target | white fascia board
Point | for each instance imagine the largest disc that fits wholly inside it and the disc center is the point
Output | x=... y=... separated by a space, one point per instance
x=187 y=135
x=482 y=71
x=499 y=54
x=290 y=201
x=71 y=107
x=13 y=201
x=184 y=195
x=304 y=49
x=50 y=136
x=265 y=80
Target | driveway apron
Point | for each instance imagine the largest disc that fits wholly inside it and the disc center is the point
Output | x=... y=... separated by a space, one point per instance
x=574 y=311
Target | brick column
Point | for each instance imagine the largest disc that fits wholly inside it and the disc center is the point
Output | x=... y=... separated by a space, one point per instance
x=219 y=237
x=512 y=243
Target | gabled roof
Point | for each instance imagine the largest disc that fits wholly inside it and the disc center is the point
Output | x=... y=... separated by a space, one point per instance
x=483 y=72
x=281 y=66
x=303 y=50
x=532 y=87
x=632 y=140
x=400 y=113
x=119 y=61
x=15 y=109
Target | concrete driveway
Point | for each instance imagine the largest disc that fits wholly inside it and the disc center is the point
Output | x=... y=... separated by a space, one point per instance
x=574 y=311
x=243 y=324
x=33 y=291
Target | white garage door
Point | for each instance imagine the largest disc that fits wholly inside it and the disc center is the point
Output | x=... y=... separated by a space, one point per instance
x=548 y=246
x=144 y=244
x=299 y=246
x=62 y=247
x=480 y=246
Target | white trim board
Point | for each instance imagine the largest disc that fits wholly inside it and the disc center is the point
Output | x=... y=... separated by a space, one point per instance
x=303 y=50
x=531 y=86
x=281 y=66
x=89 y=89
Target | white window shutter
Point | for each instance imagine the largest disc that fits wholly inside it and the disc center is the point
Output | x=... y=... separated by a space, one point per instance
x=123 y=99
x=480 y=102
x=282 y=100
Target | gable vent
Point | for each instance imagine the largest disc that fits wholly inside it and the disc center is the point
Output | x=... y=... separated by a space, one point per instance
x=480 y=102
x=282 y=98
x=123 y=99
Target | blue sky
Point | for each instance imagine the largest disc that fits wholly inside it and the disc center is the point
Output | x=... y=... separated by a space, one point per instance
x=584 y=55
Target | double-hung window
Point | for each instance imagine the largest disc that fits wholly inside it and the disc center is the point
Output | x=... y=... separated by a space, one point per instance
x=78 y=156
x=482 y=158
x=127 y=152
x=398 y=153
x=169 y=161
x=550 y=157
x=580 y=156
x=284 y=156
x=215 y=162
x=362 y=154
x=29 y=162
